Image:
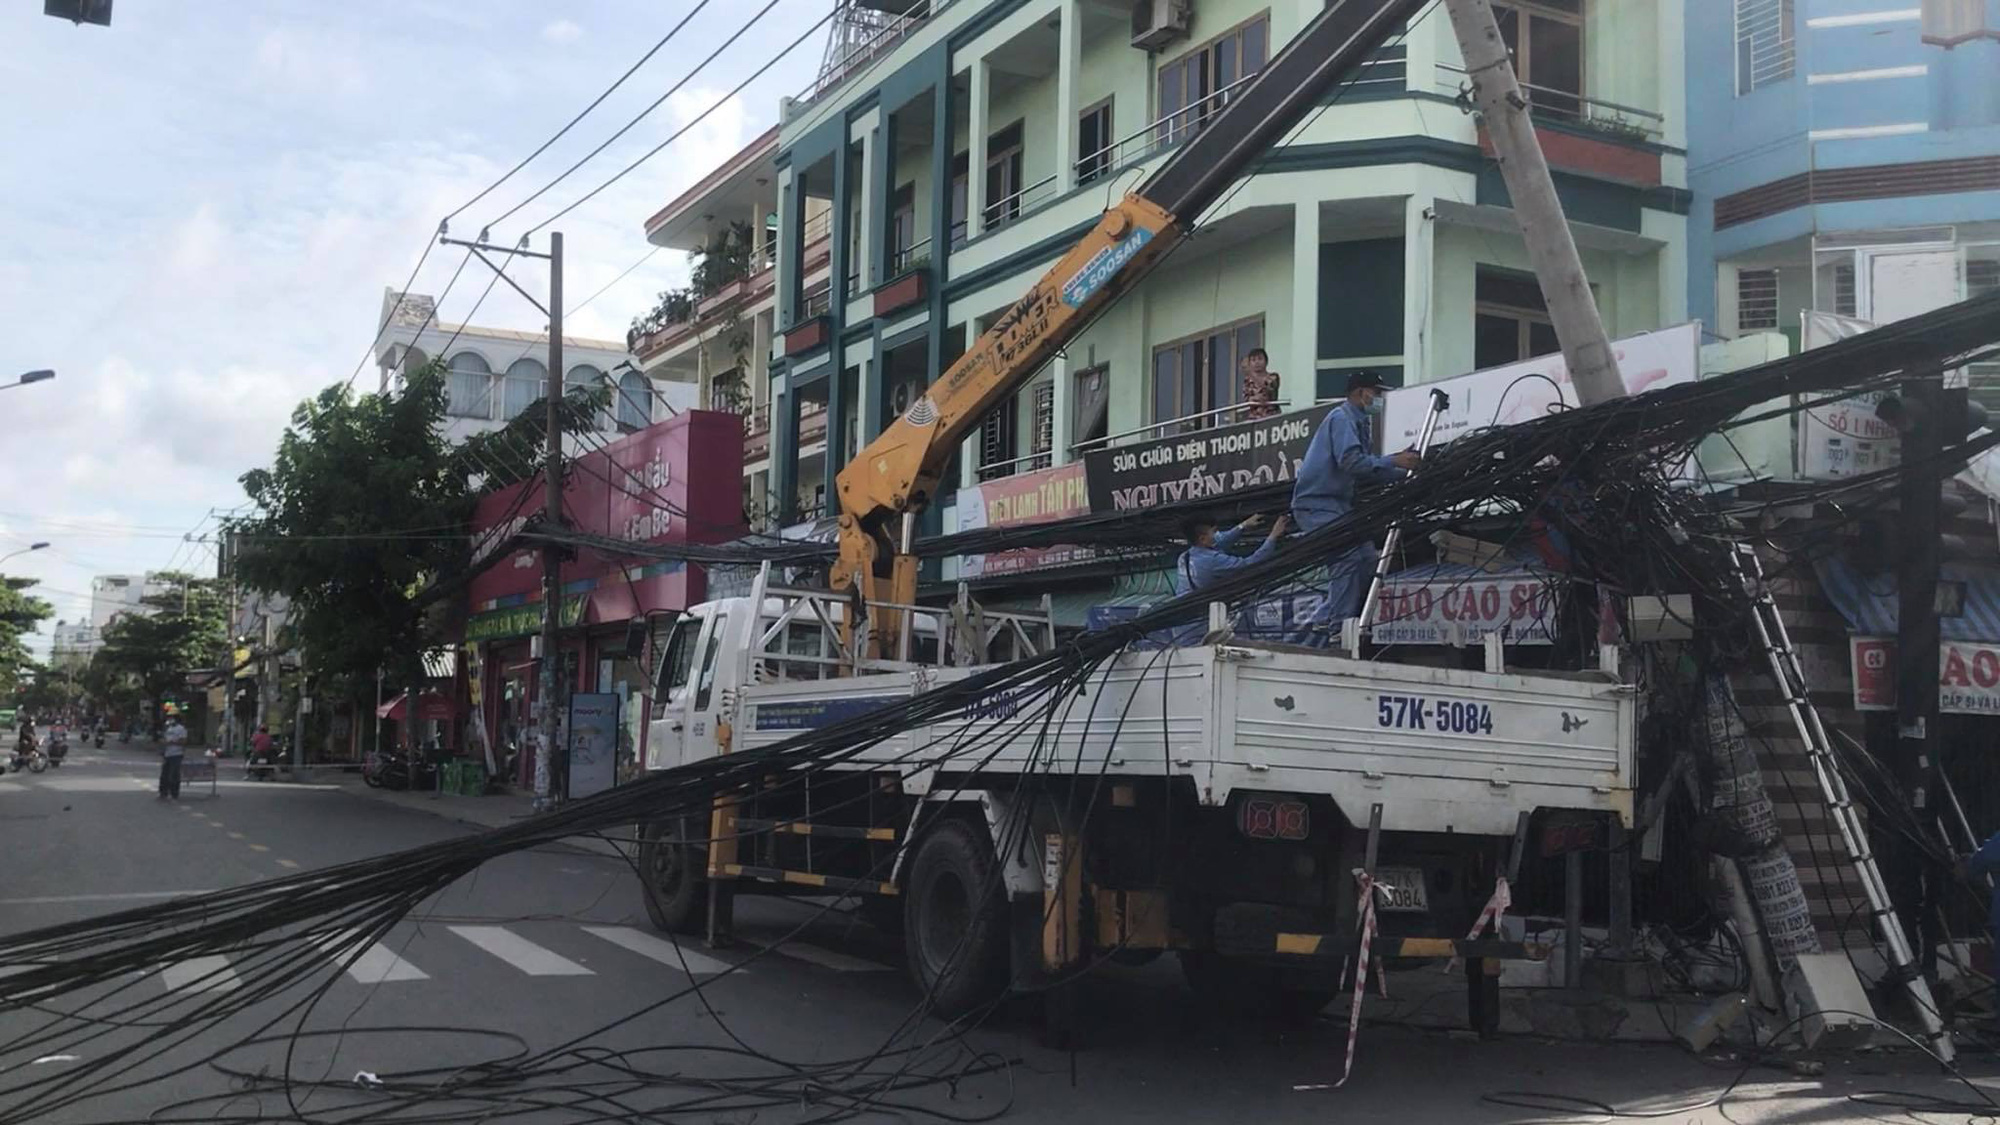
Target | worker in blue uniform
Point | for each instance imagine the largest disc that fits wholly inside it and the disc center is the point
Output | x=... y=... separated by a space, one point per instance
x=1208 y=557
x=1340 y=457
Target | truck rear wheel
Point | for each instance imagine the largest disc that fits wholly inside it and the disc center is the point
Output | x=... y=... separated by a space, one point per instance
x=672 y=872
x=954 y=921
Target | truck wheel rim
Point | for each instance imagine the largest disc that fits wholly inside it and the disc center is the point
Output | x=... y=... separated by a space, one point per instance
x=944 y=920
x=668 y=868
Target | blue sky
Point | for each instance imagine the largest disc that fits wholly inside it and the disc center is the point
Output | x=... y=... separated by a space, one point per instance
x=204 y=203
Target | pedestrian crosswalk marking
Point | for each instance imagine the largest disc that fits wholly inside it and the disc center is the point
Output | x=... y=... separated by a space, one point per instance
x=376 y=965
x=665 y=952
x=825 y=958
x=200 y=974
x=519 y=952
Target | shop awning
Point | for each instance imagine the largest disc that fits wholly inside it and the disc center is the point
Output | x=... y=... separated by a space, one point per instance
x=430 y=705
x=1868 y=601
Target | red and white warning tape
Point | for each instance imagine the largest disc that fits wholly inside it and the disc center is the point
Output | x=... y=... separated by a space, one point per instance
x=1366 y=909
x=1489 y=915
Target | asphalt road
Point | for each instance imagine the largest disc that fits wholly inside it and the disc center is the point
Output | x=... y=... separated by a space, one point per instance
x=548 y=948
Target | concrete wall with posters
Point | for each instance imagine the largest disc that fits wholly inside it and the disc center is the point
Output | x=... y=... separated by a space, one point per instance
x=678 y=481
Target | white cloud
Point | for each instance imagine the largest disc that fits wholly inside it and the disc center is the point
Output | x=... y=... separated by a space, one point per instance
x=204 y=242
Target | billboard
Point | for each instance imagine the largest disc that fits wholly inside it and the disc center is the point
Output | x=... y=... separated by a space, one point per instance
x=1968 y=676
x=1519 y=392
x=1843 y=438
x=1059 y=493
x=1205 y=465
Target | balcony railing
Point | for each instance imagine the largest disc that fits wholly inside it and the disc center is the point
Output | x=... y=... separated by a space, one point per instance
x=1028 y=464
x=819 y=299
x=915 y=256
x=1006 y=209
x=1205 y=420
x=1156 y=135
x=1548 y=104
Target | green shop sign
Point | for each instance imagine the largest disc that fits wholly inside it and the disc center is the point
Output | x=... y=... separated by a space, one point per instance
x=519 y=620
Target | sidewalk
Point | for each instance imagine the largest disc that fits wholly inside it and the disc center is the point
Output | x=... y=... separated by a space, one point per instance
x=493 y=811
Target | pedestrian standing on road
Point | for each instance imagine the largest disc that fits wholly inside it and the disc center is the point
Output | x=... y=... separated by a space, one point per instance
x=170 y=760
x=1340 y=457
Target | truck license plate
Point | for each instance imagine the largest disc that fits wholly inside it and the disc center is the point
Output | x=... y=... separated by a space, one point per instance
x=1403 y=889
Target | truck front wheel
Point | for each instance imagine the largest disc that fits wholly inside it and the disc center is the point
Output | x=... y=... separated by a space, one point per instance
x=954 y=921
x=673 y=872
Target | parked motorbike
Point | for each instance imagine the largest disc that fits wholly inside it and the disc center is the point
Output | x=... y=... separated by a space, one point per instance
x=395 y=770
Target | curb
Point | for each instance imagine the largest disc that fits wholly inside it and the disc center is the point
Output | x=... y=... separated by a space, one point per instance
x=419 y=802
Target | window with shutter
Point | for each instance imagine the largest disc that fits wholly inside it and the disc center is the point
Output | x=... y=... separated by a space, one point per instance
x=1765 y=49
x=1756 y=300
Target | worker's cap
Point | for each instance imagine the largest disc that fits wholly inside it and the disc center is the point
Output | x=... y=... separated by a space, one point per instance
x=1357 y=380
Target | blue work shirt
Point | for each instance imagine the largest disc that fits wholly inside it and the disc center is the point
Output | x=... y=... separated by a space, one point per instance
x=1338 y=458
x=1199 y=566
x=1986 y=861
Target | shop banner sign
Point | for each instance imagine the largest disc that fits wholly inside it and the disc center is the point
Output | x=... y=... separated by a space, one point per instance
x=593 y=742
x=1038 y=497
x=1968 y=676
x=1208 y=465
x=1461 y=611
x=1844 y=438
x=519 y=620
x=1532 y=388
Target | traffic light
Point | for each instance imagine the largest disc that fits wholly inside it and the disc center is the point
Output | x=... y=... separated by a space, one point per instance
x=79 y=11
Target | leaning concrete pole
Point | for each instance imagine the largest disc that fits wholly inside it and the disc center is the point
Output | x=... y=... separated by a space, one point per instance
x=1497 y=96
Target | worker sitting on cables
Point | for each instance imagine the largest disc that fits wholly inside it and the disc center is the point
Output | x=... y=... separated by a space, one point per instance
x=1340 y=457
x=1207 y=557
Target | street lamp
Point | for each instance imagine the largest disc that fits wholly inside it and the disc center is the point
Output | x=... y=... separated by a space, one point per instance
x=23 y=551
x=30 y=377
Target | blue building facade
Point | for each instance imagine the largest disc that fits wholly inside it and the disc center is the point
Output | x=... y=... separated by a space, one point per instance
x=1844 y=156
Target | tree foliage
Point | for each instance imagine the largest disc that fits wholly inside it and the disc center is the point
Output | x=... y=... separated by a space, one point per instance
x=20 y=613
x=182 y=629
x=364 y=503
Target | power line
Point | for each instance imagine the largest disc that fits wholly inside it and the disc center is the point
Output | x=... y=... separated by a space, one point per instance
x=629 y=125
x=585 y=112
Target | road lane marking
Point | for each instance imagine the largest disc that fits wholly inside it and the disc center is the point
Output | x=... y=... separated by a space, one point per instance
x=519 y=952
x=256 y=847
x=652 y=948
x=825 y=958
x=287 y=863
x=200 y=974
x=124 y=896
x=376 y=965
x=236 y=835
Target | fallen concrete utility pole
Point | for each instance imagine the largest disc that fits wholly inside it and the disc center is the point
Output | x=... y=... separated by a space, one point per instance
x=1496 y=94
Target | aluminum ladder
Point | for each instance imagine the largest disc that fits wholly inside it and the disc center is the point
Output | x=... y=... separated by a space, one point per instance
x=1791 y=681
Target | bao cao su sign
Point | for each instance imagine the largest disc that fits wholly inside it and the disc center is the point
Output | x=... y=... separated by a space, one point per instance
x=1968 y=676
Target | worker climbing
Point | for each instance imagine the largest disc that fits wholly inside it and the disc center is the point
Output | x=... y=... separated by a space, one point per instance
x=1340 y=457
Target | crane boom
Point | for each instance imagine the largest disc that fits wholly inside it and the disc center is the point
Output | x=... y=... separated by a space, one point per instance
x=883 y=487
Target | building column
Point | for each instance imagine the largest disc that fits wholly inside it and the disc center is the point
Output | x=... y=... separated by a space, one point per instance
x=873 y=192
x=1419 y=251
x=1065 y=407
x=1298 y=390
x=1069 y=52
x=975 y=165
x=784 y=448
x=789 y=269
x=837 y=269
x=868 y=382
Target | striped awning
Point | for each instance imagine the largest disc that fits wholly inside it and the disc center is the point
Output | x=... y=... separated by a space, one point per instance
x=1868 y=601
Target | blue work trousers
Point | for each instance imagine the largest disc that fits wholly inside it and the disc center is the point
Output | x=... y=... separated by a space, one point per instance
x=1348 y=576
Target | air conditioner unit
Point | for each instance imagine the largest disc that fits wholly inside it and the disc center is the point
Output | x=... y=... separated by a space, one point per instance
x=1156 y=23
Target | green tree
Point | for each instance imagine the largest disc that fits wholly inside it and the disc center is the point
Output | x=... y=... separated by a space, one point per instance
x=363 y=506
x=20 y=613
x=178 y=631
x=49 y=690
x=110 y=688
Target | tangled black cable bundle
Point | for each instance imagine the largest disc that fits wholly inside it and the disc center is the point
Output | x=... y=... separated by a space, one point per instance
x=1607 y=478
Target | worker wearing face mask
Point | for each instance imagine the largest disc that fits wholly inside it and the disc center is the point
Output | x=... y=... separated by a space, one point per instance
x=1340 y=457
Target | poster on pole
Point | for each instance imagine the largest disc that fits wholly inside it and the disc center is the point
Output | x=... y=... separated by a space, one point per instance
x=1968 y=676
x=1530 y=389
x=593 y=743
x=1842 y=438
